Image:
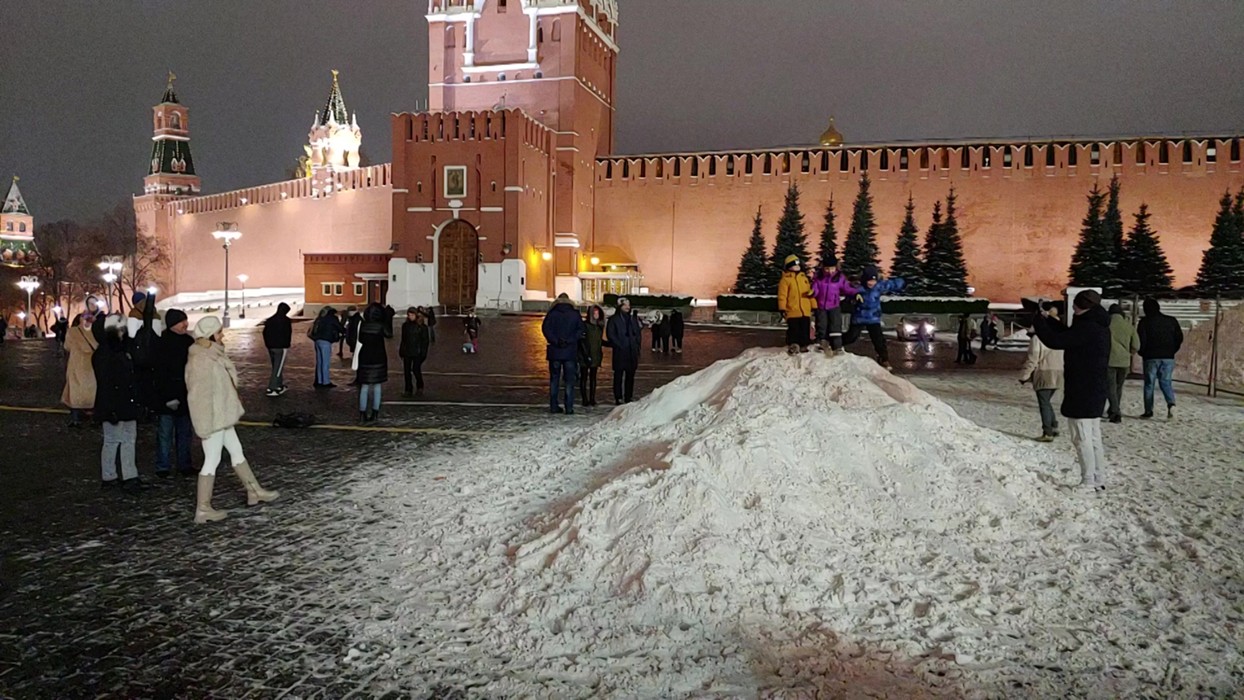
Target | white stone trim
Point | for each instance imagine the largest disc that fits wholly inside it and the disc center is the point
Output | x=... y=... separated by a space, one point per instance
x=586 y=87
x=419 y=209
x=514 y=188
x=401 y=191
x=501 y=67
x=568 y=148
x=169 y=137
x=492 y=209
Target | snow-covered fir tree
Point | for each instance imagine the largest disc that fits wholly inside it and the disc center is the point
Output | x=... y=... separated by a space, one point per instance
x=753 y=277
x=1222 y=265
x=860 y=249
x=791 y=239
x=1143 y=268
x=906 y=262
x=945 y=272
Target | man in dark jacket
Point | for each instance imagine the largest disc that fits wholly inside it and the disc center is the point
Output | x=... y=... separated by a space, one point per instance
x=677 y=329
x=1086 y=346
x=278 y=331
x=416 y=339
x=623 y=336
x=1160 y=338
x=173 y=412
x=324 y=331
x=562 y=328
x=116 y=401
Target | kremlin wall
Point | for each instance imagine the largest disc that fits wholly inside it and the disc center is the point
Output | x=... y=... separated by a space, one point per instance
x=507 y=188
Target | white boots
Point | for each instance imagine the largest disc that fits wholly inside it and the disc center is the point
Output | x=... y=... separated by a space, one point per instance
x=255 y=494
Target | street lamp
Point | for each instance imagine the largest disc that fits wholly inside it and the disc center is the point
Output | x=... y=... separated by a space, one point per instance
x=28 y=284
x=226 y=232
x=111 y=267
x=242 y=279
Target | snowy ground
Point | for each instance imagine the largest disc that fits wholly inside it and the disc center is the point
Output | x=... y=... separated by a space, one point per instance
x=788 y=527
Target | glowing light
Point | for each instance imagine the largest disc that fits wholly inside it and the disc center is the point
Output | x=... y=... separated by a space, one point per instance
x=152 y=289
x=243 y=278
x=546 y=256
x=594 y=260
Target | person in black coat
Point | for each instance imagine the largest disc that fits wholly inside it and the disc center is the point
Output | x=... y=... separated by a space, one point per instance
x=677 y=328
x=353 y=319
x=623 y=336
x=278 y=331
x=325 y=330
x=965 y=356
x=116 y=401
x=173 y=412
x=416 y=340
x=1086 y=354
x=371 y=360
x=1160 y=338
x=562 y=329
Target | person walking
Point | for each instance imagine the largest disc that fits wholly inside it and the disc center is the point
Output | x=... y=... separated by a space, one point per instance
x=59 y=330
x=591 y=354
x=471 y=326
x=1086 y=346
x=829 y=288
x=278 y=332
x=431 y=314
x=562 y=329
x=965 y=356
x=325 y=330
x=867 y=315
x=1043 y=368
x=212 y=393
x=1124 y=342
x=371 y=361
x=677 y=330
x=795 y=303
x=622 y=335
x=79 y=393
x=173 y=427
x=116 y=402
x=350 y=322
x=1160 y=339
x=416 y=340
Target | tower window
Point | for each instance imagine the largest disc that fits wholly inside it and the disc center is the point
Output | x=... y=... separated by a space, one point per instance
x=1073 y=155
x=176 y=120
x=864 y=161
x=768 y=164
x=626 y=169
x=1164 y=153
x=1006 y=156
x=1095 y=154
x=945 y=159
x=501 y=76
x=965 y=158
x=885 y=159
x=1187 y=151
x=902 y=159
x=747 y=166
x=986 y=156
x=924 y=159
x=695 y=167
x=844 y=161
x=501 y=6
x=22 y=227
x=730 y=166
x=1050 y=155
x=712 y=166
x=540 y=35
x=557 y=30
x=1235 y=150
x=660 y=168
x=824 y=161
x=678 y=167
x=609 y=170
x=1211 y=153
x=643 y=168
x=1140 y=153
x=806 y=164
x=451 y=36
x=1118 y=154
x=1027 y=156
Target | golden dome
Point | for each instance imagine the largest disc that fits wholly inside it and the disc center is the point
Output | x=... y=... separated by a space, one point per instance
x=831 y=137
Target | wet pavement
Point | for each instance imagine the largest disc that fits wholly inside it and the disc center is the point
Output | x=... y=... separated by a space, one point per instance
x=113 y=595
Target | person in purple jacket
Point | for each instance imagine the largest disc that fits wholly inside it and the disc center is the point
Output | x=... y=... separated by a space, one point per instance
x=829 y=287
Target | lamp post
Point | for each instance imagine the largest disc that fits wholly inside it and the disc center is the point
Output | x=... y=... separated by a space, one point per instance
x=111 y=267
x=242 y=279
x=226 y=232
x=28 y=284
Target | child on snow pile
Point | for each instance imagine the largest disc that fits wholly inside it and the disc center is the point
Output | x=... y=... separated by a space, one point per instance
x=867 y=314
x=796 y=303
x=829 y=288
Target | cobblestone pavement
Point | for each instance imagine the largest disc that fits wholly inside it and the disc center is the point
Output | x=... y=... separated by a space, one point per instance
x=108 y=595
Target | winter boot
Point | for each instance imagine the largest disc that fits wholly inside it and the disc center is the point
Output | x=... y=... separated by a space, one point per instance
x=255 y=494
x=1170 y=411
x=792 y=349
x=825 y=346
x=362 y=417
x=203 y=511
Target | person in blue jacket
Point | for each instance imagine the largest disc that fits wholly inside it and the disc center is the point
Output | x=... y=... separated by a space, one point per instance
x=563 y=328
x=867 y=315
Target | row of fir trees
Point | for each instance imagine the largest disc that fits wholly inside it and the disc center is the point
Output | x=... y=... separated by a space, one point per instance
x=934 y=268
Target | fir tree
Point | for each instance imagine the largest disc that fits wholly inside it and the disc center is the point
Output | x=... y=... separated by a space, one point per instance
x=906 y=262
x=1092 y=264
x=1143 y=268
x=860 y=250
x=945 y=272
x=1222 y=265
x=791 y=239
x=829 y=234
x=1112 y=222
x=753 y=275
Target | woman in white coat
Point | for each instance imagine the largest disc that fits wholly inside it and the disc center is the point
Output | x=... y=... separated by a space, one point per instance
x=211 y=384
x=1044 y=368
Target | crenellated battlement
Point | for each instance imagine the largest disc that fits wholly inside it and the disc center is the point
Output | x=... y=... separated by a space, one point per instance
x=474 y=126
x=1190 y=154
x=360 y=178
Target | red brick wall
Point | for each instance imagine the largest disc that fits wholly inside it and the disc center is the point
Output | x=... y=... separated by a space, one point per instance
x=341 y=268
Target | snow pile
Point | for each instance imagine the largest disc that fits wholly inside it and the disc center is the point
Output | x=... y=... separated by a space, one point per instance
x=778 y=525
x=1194 y=359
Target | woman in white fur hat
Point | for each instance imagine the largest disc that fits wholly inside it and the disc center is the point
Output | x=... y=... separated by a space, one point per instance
x=211 y=383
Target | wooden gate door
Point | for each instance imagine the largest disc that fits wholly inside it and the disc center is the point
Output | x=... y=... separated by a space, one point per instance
x=458 y=266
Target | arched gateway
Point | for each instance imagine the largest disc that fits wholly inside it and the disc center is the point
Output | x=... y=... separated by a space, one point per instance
x=457 y=262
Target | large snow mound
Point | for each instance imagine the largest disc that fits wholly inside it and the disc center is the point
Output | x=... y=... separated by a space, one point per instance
x=770 y=524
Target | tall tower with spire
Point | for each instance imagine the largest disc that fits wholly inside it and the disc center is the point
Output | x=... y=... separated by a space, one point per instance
x=334 y=142
x=171 y=171
x=17 y=230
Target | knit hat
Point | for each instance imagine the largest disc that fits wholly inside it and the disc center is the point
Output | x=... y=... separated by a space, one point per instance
x=1116 y=310
x=790 y=260
x=207 y=327
x=1087 y=299
x=172 y=317
x=137 y=298
x=831 y=261
x=412 y=310
x=623 y=301
x=869 y=273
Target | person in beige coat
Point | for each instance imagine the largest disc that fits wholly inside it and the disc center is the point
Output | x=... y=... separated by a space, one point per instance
x=79 y=393
x=212 y=393
x=1044 y=369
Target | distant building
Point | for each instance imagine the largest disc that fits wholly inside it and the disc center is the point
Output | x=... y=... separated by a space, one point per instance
x=17 y=230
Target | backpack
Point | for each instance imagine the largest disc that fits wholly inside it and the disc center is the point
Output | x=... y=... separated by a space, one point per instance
x=293 y=420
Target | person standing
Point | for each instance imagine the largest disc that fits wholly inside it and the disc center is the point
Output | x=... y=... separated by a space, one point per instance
x=59 y=330
x=591 y=354
x=416 y=340
x=867 y=315
x=79 y=393
x=116 y=402
x=173 y=409
x=325 y=330
x=471 y=325
x=144 y=328
x=622 y=335
x=965 y=356
x=795 y=303
x=1043 y=368
x=562 y=329
x=1124 y=342
x=1086 y=346
x=677 y=330
x=278 y=331
x=350 y=321
x=1160 y=339
x=371 y=360
x=829 y=288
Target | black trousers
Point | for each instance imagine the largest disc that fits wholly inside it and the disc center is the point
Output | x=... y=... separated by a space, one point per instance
x=799 y=331
x=413 y=366
x=587 y=384
x=874 y=334
x=676 y=342
x=623 y=384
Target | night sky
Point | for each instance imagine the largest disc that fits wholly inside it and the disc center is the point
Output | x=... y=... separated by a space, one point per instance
x=78 y=78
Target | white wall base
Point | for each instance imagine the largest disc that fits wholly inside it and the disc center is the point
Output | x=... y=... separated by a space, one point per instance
x=411 y=284
x=501 y=285
x=570 y=285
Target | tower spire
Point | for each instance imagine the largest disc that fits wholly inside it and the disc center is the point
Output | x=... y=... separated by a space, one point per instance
x=335 y=107
x=170 y=96
x=171 y=170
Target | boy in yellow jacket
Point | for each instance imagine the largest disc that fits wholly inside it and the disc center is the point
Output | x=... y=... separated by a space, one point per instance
x=795 y=302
